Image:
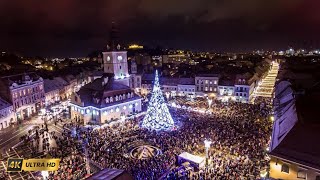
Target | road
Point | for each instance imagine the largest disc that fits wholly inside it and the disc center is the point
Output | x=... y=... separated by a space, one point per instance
x=10 y=148
x=10 y=136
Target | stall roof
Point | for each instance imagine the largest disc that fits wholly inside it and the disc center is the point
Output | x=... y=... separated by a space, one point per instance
x=191 y=157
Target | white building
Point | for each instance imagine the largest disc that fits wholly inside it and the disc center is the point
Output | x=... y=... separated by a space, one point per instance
x=206 y=84
x=107 y=98
x=7 y=116
x=244 y=86
x=226 y=90
x=178 y=87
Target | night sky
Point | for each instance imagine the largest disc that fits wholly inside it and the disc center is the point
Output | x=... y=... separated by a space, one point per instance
x=77 y=27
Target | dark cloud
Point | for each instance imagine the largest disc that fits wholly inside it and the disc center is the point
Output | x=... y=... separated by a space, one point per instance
x=74 y=27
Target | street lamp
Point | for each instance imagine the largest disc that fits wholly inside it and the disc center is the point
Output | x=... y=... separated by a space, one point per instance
x=167 y=95
x=209 y=102
x=207 y=144
x=45 y=174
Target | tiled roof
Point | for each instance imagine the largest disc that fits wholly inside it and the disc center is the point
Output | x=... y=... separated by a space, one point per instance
x=20 y=78
x=52 y=85
x=207 y=75
x=99 y=90
x=296 y=128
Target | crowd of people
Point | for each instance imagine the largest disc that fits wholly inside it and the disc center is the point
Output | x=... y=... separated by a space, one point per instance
x=239 y=134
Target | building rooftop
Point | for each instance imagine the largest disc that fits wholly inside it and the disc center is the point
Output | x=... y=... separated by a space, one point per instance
x=4 y=104
x=296 y=128
x=52 y=85
x=20 y=78
x=94 y=93
x=207 y=75
x=226 y=81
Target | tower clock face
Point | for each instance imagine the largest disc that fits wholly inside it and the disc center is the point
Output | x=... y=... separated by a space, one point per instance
x=119 y=58
x=108 y=58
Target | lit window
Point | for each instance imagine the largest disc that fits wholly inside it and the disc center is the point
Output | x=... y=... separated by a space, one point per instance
x=119 y=58
x=215 y=82
x=206 y=88
x=285 y=168
x=117 y=109
x=206 y=81
x=124 y=107
x=301 y=174
x=215 y=89
x=108 y=58
x=210 y=88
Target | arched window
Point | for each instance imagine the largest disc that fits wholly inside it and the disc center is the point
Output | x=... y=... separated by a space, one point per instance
x=120 y=97
x=128 y=95
x=117 y=98
x=111 y=99
x=123 y=96
x=107 y=100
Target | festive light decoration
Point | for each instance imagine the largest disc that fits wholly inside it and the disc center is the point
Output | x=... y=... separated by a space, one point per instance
x=158 y=116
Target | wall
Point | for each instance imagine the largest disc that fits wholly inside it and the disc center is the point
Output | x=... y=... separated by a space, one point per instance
x=275 y=170
x=207 y=84
x=105 y=114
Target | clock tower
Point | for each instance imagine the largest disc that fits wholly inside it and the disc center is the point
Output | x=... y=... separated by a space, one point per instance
x=115 y=59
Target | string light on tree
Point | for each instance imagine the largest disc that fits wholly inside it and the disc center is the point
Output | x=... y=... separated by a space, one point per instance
x=158 y=116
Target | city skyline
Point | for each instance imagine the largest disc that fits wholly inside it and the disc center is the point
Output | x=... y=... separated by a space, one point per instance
x=73 y=28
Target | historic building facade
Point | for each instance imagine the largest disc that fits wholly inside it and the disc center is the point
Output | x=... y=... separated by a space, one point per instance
x=25 y=92
x=109 y=97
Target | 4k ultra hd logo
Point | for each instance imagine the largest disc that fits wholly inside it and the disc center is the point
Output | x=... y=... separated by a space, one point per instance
x=18 y=164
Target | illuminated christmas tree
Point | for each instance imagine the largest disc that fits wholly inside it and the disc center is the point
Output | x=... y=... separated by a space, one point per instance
x=158 y=116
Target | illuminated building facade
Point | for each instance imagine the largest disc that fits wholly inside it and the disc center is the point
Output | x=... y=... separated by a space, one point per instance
x=25 y=92
x=109 y=97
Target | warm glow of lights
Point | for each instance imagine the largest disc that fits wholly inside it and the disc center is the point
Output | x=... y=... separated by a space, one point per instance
x=272 y=118
x=207 y=143
x=135 y=46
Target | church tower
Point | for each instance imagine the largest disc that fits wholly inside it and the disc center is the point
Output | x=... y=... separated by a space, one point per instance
x=115 y=59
